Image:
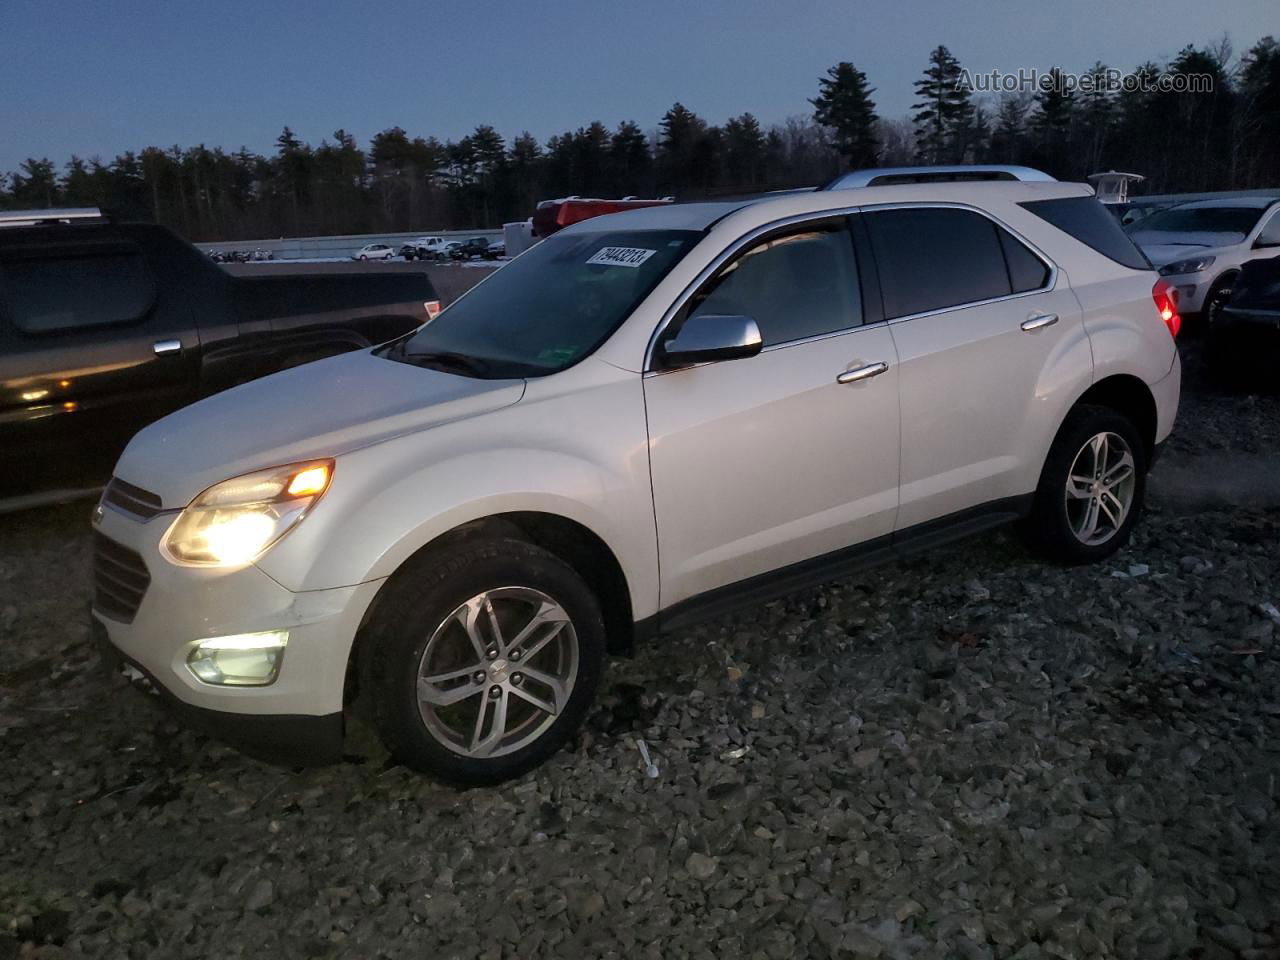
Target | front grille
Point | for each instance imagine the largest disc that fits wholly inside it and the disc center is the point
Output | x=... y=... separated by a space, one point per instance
x=120 y=579
x=133 y=500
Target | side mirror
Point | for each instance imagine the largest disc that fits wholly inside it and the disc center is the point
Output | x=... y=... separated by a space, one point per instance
x=709 y=337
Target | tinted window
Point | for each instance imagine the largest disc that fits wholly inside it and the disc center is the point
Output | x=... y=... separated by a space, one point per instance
x=43 y=296
x=794 y=286
x=1192 y=219
x=932 y=258
x=1085 y=219
x=548 y=308
x=1269 y=235
x=1026 y=270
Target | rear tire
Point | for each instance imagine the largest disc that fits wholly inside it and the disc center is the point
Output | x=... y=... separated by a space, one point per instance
x=451 y=659
x=1091 y=488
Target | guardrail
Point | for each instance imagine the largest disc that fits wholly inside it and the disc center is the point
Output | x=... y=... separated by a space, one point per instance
x=315 y=248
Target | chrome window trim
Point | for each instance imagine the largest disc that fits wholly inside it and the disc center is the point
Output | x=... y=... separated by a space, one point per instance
x=730 y=251
x=1049 y=285
x=707 y=272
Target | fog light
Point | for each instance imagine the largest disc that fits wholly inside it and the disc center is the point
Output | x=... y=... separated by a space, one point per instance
x=242 y=660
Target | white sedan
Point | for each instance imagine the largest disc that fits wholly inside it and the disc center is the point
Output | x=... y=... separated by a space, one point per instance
x=374 y=251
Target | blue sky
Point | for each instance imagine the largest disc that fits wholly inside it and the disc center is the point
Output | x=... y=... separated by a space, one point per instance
x=96 y=77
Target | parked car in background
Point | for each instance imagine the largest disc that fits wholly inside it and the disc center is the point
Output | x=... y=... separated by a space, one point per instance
x=374 y=251
x=496 y=249
x=765 y=393
x=475 y=248
x=431 y=248
x=1244 y=336
x=448 y=250
x=1199 y=246
x=105 y=327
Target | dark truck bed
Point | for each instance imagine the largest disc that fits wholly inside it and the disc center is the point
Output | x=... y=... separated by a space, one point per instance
x=106 y=327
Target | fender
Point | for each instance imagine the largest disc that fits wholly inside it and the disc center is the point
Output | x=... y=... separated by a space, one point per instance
x=389 y=500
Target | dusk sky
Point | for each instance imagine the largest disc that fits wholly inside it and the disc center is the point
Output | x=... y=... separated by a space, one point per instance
x=97 y=78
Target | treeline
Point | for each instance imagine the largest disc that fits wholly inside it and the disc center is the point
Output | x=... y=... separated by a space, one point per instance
x=1220 y=135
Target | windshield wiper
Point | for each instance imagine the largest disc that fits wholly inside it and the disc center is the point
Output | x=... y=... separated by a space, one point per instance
x=448 y=361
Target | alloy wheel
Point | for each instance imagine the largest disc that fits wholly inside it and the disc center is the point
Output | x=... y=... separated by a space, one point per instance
x=497 y=672
x=1100 y=489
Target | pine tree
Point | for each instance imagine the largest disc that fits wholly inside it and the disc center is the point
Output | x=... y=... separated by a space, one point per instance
x=1009 y=128
x=944 y=109
x=680 y=131
x=844 y=106
x=630 y=163
x=1052 y=125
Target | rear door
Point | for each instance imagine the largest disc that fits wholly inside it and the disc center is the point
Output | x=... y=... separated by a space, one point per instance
x=768 y=461
x=979 y=322
x=92 y=348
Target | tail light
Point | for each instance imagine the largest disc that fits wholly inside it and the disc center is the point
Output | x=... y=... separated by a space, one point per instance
x=1165 y=295
x=432 y=307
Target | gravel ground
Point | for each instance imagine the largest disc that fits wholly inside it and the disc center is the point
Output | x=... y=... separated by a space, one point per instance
x=968 y=754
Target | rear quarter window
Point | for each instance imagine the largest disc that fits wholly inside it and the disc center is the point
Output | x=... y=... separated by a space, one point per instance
x=1085 y=219
x=76 y=292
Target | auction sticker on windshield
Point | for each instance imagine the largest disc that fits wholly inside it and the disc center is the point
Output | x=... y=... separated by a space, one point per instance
x=621 y=256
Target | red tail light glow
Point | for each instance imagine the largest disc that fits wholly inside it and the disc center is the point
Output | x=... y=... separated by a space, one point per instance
x=432 y=307
x=1165 y=295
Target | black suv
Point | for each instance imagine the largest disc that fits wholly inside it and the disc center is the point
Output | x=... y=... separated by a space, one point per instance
x=105 y=327
x=476 y=247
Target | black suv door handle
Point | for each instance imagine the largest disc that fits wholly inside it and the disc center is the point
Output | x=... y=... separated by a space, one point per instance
x=165 y=347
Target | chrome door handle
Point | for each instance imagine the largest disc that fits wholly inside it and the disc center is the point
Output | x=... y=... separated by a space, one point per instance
x=1036 y=323
x=863 y=373
x=165 y=347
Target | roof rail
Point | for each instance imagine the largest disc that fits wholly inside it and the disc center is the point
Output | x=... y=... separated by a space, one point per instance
x=886 y=176
x=31 y=218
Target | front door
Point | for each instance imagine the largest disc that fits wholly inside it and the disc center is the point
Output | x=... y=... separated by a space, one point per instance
x=764 y=462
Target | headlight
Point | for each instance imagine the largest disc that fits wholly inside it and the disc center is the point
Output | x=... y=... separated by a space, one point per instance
x=233 y=522
x=1190 y=265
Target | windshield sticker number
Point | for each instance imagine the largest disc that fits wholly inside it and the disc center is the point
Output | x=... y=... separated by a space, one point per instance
x=621 y=256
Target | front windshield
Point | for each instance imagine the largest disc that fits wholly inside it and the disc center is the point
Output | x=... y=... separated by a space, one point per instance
x=548 y=308
x=1238 y=220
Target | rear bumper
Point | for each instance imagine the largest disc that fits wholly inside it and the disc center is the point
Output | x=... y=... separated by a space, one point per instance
x=296 y=740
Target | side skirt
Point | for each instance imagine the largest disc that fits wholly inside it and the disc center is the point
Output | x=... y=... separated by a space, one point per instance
x=832 y=566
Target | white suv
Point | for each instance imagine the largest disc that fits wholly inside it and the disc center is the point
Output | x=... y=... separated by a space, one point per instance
x=645 y=419
x=1200 y=246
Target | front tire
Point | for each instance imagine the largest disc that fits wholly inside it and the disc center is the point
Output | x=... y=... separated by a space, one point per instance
x=1091 y=488
x=485 y=660
x=1217 y=297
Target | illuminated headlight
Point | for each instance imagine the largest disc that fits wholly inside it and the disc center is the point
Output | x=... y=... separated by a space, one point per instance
x=1190 y=265
x=233 y=522
x=242 y=660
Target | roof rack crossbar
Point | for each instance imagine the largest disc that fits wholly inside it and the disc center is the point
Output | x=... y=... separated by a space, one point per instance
x=23 y=218
x=886 y=176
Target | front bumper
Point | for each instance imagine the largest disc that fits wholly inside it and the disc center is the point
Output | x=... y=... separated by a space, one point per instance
x=301 y=711
x=290 y=739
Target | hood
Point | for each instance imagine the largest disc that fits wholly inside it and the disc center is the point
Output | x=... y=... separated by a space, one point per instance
x=1161 y=247
x=321 y=409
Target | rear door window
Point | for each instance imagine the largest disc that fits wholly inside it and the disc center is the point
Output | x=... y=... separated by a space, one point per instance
x=932 y=258
x=795 y=285
x=1085 y=219
x=76 y=292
